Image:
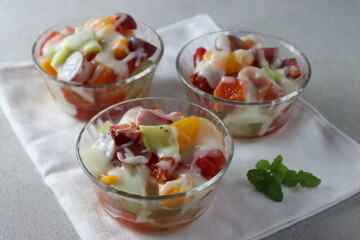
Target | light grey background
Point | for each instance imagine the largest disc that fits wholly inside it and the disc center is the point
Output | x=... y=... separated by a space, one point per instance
x=328 y=32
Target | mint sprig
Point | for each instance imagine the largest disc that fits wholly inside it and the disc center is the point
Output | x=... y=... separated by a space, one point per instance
x=268 y=178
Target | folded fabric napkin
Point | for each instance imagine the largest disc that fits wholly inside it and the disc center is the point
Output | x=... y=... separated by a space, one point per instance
x=307 y=141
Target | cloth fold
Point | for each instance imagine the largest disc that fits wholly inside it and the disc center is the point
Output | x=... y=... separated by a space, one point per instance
x=308 y=142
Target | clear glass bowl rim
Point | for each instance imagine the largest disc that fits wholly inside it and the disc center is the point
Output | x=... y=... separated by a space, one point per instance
x=226 y=101
x=108 y=188
x=118 y=83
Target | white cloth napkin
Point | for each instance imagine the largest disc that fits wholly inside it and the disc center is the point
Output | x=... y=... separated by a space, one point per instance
x=308 y=142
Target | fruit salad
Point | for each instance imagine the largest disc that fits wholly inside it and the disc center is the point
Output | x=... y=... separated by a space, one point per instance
x=152 y=153
x=93 y=62
x=247 y=78
x=243 y=69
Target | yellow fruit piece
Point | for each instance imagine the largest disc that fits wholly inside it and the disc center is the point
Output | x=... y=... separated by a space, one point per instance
x=232 y=62
x=120 y=48
x=103 y=26
x=108 y=179
x=188 y=130
x=48 y=68
x=176 y=201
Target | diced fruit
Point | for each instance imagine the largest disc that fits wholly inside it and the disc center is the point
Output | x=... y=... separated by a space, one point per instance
x=124 y=133
x=198 y=56
x=256 y=76
x=228 y=43
x=161 y=169
x=231 y=62
x=231 y=88
x=101 y=75
x=100 y=25
x=75 y=40
x=133 y=153
x=276 y=75
x=271 y=93
x=75 y=68
x=76 y=99
x=137 y=44
x=161 y=139
x=249 y=123
x=265 y=57
x=176 y=201
x=60 y=57
x=201 y=83
x=90 y=49
x=104 y=128
x=49 y=38
x=121 y=48
x=48 y=68
x=251 y=41
x=211 y=163
x=108 y=179
x=291 y=68
x=152 y=117
x=124 y=22
x=188 y=129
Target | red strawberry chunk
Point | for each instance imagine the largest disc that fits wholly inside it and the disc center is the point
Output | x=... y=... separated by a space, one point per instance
x=211 y=163
x=201 y=83
x=291 y=68
x=124 y=133
x=198 y=56
x=123 y=22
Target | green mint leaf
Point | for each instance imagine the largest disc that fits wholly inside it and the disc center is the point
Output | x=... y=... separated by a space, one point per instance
x=280 y=173
x=277 y=163
x=290 y=179
x=263 y=164
x=307 y=179
x=266 y=183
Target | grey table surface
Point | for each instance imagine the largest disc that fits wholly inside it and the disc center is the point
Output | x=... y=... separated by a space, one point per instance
x=327 y=31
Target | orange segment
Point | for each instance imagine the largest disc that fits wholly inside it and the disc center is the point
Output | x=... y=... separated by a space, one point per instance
x=188 y=130
x=48 y=68
x=176 y=201
x=232 y=62
x=108 y=179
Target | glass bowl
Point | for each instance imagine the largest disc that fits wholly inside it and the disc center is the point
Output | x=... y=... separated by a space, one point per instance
x=84 y=101
x=153 y=212
x=244 y=119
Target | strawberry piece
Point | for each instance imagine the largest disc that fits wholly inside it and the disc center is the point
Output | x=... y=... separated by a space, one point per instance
x=291 y=68
x=124 y=133
x=123 y=21
x=264 y=57
x=201 y=83
x=150 y=117
x=211 y=163
x=133 y=153
x=161 y=175
x=198 y=56
x=51 y=36
x=231 y=88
